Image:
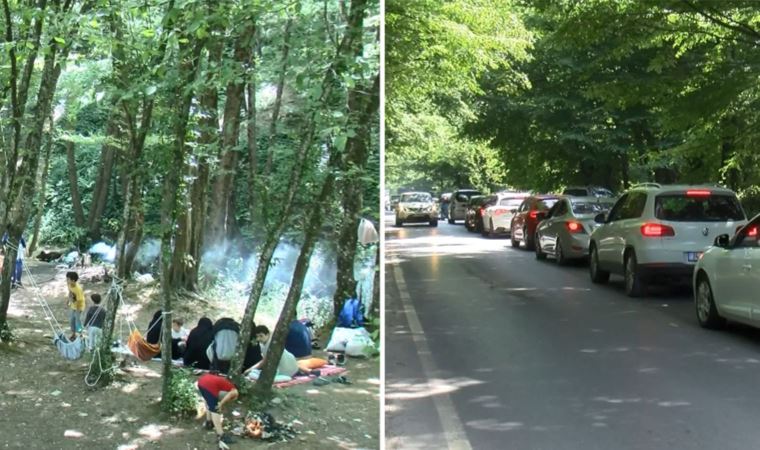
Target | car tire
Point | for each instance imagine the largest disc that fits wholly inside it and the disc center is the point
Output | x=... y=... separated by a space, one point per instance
x=634 y=285
x=540 y=255
x=529 y=243
x=451 y=221
x=704 y=302
x=559 y=256
x=515 y=243
x=434 y=223
x=598 y=276
x=399 y=222
x=484 y=231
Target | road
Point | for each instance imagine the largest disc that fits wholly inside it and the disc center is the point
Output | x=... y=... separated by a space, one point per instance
x=488 y=348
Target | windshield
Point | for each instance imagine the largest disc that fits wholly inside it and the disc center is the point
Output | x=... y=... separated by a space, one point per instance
x=416 y=197
x=545 y=204
x=590 y=208
x=511 y=202
x=709 y=208
x=579 y=192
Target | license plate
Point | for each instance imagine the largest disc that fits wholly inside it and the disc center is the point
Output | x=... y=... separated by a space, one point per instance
x=693 y=256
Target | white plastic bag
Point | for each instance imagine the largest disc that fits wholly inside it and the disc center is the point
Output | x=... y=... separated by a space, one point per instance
x=360 y=344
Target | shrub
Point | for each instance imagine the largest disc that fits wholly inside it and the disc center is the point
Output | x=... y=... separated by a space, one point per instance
x=183 y=395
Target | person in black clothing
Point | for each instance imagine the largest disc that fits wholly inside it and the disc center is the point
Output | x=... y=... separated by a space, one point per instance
x=253 y=352
x=153 y=336
x=198 y=341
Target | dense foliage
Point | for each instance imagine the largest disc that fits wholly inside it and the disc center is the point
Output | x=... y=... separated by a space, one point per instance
x=611 y=93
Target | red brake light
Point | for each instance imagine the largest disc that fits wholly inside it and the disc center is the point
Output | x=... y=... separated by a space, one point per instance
x=656 y=230
x=574 y=227
x=498 y=212
x=752 y=231
x=533 y=214
x=481 y=210
x=698 y=193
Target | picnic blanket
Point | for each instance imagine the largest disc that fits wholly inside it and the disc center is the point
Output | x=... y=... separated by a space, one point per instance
x=324 y=371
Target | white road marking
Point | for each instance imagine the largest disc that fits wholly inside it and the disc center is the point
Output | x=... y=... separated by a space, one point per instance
x=453 y=431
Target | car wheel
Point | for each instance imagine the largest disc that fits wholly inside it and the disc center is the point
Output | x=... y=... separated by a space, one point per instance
x=540 y=255
x=598 y=275
x=484 y=231
x=707 y=312
x=434 y=223
x=558 y=255
x=529 y=242
x=515 y=242
x=634 y=285
x=399 y=222
x=451 y=220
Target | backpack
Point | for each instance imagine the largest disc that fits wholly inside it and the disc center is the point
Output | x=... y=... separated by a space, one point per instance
x=226 y=332
x=352 y=314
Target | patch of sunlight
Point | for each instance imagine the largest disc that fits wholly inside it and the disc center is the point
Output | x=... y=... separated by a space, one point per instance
x=128 y=447
x=588 y=350
x=130 y=387
x=373 y=381
x=342 y=442
x=416 y=389
x=313 y=391
x=73 y=434
x=599 y=425
x=152 y=431
x=617 y=400
x=24 y=393
x=111 y=420
x=671 y=404
x=494 y=425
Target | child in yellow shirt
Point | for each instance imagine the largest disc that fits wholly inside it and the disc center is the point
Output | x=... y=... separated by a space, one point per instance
x=75 y=303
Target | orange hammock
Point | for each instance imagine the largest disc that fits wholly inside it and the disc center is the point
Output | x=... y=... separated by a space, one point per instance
x=140 y=348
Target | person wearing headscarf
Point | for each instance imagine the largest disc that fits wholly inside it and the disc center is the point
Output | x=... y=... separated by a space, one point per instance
x=198 y=341
x=153 y=336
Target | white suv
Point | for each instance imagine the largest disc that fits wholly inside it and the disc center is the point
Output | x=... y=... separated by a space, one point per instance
x=660 y=231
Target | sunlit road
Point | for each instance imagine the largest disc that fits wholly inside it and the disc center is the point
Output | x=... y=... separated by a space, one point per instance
x=487 y=348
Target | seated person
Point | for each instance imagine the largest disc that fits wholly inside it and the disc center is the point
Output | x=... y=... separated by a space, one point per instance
x=94 y=318
x=252 y=353
x=179 y=338
x=153 y=336
x=198 y=341
x=298 y=341
x=287 y=367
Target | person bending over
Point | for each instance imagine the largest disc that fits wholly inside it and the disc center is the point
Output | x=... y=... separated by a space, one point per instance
x=217 y=391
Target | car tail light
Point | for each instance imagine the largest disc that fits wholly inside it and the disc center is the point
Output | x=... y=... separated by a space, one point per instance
x=752 y=231
x=482 y=210
x=533 y=214
x=656 y=230
x=498 y=212
x=574 y=227
x=698 y=193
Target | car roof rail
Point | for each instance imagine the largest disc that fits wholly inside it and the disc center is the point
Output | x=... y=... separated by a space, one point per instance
x=646 y=184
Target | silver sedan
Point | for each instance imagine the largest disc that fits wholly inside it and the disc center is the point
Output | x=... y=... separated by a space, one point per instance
x=564 y=232
x=727 y=278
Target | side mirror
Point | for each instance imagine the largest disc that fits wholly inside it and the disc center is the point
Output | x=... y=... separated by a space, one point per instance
x=599 y=218
x=721 y=241
x=513 y=210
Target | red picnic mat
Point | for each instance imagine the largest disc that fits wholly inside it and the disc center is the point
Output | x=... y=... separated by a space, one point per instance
x=325 y=371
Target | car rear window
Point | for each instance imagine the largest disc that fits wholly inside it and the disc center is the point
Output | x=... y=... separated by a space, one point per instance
x=418 y=197
x=511 y=202
x=704 y=208
x=545 y=204
x=576 y=192
x=590 y=208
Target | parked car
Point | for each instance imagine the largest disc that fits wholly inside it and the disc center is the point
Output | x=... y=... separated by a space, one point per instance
x=587 y=191
x=394 y=201
x=458 y=205
x=524 y=222
x=497 y=217
x=565 y=230
x=659 y=232
x=444 y=209
x=473 y=219
x=727 y=277
x=416 y=207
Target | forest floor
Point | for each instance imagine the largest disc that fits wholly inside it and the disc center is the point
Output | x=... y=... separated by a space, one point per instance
x=45 y=403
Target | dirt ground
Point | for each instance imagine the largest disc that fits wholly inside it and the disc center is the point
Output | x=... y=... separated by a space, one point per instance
x=45 y=404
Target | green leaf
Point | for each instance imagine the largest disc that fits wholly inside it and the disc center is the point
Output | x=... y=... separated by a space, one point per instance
x=150 y=90
x=59 y=40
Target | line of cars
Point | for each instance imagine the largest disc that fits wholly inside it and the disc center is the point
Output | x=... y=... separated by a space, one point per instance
x=651 y=234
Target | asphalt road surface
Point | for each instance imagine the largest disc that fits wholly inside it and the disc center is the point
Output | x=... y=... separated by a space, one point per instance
x=488 y=348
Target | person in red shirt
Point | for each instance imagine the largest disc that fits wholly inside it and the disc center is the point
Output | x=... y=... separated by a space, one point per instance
x=217 y=391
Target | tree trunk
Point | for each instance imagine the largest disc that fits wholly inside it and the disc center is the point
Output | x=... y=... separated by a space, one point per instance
x=113 y=300
x=42 y=196
x=76 y=201
x=225 y=179
x=253 y=157
x=362 y=107
x=263 y=386
x=278 y=97
x=100 y=192
x=334 y=72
